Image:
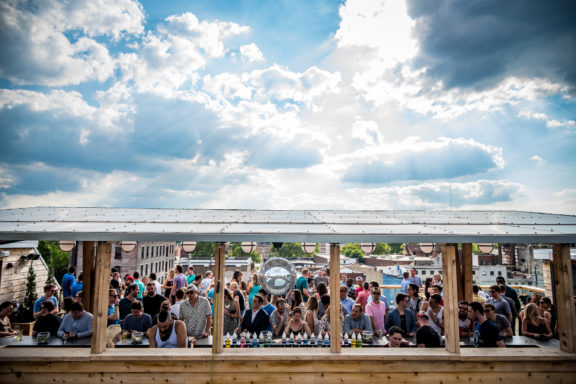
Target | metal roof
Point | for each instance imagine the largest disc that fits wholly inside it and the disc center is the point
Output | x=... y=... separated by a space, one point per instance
x=337 y=226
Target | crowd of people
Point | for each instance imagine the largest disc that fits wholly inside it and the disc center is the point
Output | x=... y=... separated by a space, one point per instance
x=182 y=309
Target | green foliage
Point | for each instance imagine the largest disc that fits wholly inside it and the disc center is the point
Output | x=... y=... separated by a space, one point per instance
x=203 y=250
x=26 y=314
x=396 y=248
x=56 y=259
x=291 y=251
x=353 y=250
x=237 y=252
x=381 y=249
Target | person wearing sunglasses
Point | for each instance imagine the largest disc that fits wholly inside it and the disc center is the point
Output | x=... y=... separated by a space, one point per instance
x=113 y=307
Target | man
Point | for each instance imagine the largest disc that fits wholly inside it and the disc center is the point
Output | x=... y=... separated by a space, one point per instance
x=415 y=299
x=401 y=316
x=178 y=282
x=511 y=304
x=465 y=323
x=113 y=308
x=156 y=284
x=509 y=292
x=374 y=284
x=267 y=306
x=501 y=322
x=207 y=281
x=197 y=282
x=476 y=295
x=77 y=286
x=196 y=313
x=357 y=321
x=175 y=309
x=351 y=289
x=485 y=332
x=359 y=285
x=140 y=284
x=137 y=320
x=168 y=333
x=501 y=305
x=426 y=337
x=302 y=285
x=152 y=300
x=67 y=282
x=405 y=282
x=362 y=296
x=49 y=291
x=279 y=317
x=321 y=278
x=376 y=310
x=47 y=321
x=345 y=301
x=76 y=324
x=190 y=275
x=255 y=319
x=395 y=337
x=126 y=302
x=343 y=279
x=415 y=279
x=435 y=312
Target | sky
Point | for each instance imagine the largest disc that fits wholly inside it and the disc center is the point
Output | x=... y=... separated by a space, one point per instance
x=325 y=104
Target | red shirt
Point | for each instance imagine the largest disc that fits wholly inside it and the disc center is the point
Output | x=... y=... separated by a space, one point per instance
x=362 y=299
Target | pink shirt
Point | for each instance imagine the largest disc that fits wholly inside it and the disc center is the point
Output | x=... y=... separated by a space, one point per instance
x=362 y=298
x=377 y=311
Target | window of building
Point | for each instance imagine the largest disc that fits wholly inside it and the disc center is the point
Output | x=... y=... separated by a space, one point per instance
x=474 y=272
x=499 y=273
x=146 y=270
x=141 y=270
x=491 y=273
x=152 y=252
x=147 y=250
x=423 y=272
x=117 y=253
x=142 y=256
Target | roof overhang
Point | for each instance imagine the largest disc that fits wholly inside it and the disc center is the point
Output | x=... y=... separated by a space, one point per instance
x=333 y=226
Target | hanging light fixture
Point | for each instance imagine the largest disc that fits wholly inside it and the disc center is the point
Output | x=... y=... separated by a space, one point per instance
x=128 y=246
x=368 y=248
x=308 y=247
x=188 y=246
x=427 y=248
x=66 y=245
x=248 y=246
x=277 y=245
x=486 y=247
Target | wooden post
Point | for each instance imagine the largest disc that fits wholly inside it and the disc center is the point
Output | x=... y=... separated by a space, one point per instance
x=87 y=275
x=467 y=280
x=100 y=302
x=220 y=260
x=335 y=326
x=451 y=328
x=564 y=297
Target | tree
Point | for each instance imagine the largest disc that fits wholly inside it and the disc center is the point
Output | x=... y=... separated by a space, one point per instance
x=56 y=259
x=203 y=250
x=292 y=251
x=26 y=314
x=237 y=252
x=354 y=251
x=396 y=248
x=381 y=249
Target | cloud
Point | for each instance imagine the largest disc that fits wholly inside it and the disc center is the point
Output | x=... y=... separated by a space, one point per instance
x=40 y=45
x=251 y=53
x=472 y=44
x=418 y=160
x=537 y=159
x=567 y=126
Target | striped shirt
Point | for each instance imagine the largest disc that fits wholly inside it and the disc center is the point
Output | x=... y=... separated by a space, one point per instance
x=195 y=316
x=81 y=327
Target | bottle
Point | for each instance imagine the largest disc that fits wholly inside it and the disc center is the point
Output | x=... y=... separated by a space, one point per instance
x=234 y=340
x=242 y=341
x=254 y=340
x=353 y=341
x=299 y=340
x=346 y=341
x=262 y=342
x=326 y=341
x=284 y=339
x=359 y=342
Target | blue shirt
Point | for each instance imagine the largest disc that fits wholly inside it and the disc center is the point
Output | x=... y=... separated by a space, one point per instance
x=362 y=323
x=67 y=282
x=393 y=319
x=111 y=309
x=81 y=327
x=404 y=285
x=76 y=287
x=141 y=324
x=38 y=303
x=142 y=288
x=347 y=305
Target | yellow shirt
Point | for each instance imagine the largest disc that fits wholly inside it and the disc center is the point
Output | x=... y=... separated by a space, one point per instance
x=478 y=299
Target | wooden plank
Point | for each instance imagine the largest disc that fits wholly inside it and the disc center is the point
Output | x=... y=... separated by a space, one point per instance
x=100 y=302
x=220 y=263
x=459 y=279
x=451 y=329
x=467 y=276
x=335 y=326
x=564 y=297
x=87 y=273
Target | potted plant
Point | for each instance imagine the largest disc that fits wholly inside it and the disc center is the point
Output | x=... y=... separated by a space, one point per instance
x=26 y=311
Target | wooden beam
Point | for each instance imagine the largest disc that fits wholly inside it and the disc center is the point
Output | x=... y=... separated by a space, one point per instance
x=220 y=263
x=467 y=276
x=100 y=302
x=451 y=328
x=459 y=279
x=335 y=326
x=87 y=274
x=564 y=297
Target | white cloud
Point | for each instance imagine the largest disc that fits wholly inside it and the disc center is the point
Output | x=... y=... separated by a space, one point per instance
x=57 y=102
x=251 y=53
x=568 y=126
x=538 y=160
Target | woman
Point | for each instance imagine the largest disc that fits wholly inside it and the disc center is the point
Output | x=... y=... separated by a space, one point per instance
x=297 y=302
x=231 y=313
x=167 y=286
x=437 y=280
x=236 y=277
x=535 y=326
x=238 y=296
x=245 y=293
x=296 y=325
x=254 y=287
x=311 y=314
x=321 y=291
x=549 y=313
x=6 y=309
